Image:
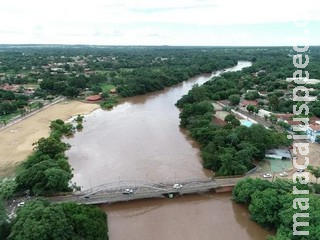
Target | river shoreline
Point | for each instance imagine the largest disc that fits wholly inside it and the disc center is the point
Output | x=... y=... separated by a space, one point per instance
x=16 y=141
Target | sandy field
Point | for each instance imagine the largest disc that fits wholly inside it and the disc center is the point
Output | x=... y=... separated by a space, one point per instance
x=16 y=141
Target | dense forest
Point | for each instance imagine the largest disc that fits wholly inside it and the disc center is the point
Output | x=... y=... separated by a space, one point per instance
x=40 y=220
x=271 y=206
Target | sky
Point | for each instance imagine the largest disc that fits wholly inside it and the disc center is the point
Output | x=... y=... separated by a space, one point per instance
x=159 y=22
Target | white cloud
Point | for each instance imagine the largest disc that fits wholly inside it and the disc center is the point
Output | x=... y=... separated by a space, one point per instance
x=74 y=21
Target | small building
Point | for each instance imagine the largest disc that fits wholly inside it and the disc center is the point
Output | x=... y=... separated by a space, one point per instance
x=93 y=98
x=262 y=113
x=248 y=102
x=285 y=116
x=283 y=154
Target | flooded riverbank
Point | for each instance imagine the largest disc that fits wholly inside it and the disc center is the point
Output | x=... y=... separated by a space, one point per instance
x=139 y=139
x=16 y=140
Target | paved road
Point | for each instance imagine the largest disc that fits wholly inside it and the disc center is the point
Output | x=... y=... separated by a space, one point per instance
x=33 y=112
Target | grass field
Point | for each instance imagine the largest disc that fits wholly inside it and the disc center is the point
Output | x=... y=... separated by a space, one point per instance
x=106 y=87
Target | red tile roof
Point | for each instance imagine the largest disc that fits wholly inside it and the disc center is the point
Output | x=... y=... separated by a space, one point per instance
x=291 y=122
x=285 y=116
x=313 y=119
x=315 y=127
x=247 y=102
x=93 y=98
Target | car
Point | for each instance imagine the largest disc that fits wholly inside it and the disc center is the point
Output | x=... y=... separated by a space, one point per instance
x=283 y=174
x=267 y=175
x=20 y=204
x=177 y=186
x=300 y=170
x=128 y=191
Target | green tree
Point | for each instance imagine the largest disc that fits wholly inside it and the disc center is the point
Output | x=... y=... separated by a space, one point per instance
x=250 y=108
x=264 y=208
x=273 y=102
x=229 y=118
x=44 y=177
x=273 y=118
x=235 y=123
x=244 y=189
x=68 y=221
x=252 y=95
x=234 y=99
x=7 y=188
x=51 y=146
x=5 y=225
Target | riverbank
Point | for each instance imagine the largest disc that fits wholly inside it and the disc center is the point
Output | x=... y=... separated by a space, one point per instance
x=16 y=141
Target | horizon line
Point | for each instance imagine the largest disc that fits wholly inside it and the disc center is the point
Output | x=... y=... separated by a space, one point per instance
x=133 y=45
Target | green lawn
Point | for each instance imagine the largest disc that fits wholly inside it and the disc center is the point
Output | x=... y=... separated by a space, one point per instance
x=8 y=117
x=106 y=87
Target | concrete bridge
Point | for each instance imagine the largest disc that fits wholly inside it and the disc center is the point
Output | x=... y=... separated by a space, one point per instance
x=134 y=190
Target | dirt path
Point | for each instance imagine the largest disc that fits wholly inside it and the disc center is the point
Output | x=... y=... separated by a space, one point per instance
x=16 y=141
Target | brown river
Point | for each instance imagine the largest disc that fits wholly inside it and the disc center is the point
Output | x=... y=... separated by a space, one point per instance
x=140 y=140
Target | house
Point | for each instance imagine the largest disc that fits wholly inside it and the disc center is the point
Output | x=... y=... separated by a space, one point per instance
x=262 y=113
x=93 y=98
x=313 y=131
x=248 y=102
x=8 y=87
x=263 y=93
x=285 y=116
x=283 y=154
x=293 y=123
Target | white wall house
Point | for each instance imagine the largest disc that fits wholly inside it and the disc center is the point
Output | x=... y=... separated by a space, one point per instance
x=262 y=113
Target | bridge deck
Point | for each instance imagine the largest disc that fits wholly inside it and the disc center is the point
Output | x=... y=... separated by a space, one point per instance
x=111 y=193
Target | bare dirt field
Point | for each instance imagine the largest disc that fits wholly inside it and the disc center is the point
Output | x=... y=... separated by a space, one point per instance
x=16 y=141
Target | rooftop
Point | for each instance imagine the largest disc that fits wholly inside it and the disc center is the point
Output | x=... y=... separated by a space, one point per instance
x=315 y=127
x=248 y=102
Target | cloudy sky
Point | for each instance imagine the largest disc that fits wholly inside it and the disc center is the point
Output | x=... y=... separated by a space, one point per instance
x=159 y=22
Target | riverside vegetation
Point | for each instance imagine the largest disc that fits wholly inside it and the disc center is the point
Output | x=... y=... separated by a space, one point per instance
x=47 y=171
x=270 y=205
x=73 y=71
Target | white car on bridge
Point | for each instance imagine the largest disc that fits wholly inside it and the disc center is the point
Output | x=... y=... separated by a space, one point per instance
x=177 y=186
x=128 y=191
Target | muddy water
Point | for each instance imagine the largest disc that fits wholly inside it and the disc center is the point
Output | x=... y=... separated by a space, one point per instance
x=209 y=216
x=139 y=139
